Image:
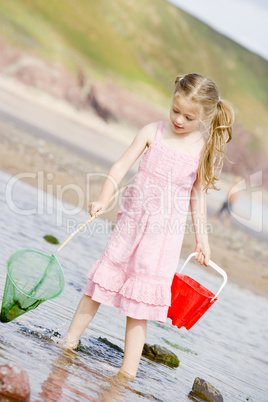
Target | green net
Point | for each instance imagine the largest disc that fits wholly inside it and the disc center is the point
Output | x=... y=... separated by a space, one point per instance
x=32 y=278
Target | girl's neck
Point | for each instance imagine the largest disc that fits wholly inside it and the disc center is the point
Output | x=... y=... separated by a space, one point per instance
x=168 y=133
x=191 y=143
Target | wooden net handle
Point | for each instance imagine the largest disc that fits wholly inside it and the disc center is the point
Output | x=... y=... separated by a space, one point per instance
x=93 y=217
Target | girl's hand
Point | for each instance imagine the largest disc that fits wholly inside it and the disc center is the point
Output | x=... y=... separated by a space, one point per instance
x=97 y=208
x=203 y=255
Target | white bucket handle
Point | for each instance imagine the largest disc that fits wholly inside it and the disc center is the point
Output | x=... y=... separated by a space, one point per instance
x=213 y=265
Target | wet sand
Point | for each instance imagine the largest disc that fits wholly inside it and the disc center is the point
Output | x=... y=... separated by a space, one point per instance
x=66 y=173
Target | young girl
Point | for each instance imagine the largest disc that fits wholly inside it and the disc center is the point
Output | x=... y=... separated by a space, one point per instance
x=135 y=271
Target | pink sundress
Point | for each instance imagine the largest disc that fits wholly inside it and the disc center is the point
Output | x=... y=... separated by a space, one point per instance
x=135 y=271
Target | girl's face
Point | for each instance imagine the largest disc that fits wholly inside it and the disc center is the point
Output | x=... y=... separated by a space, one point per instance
x=183 y=115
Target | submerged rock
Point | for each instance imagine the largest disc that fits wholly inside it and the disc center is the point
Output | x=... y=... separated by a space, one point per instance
x=51 y=239
x=206 y=391
x=160 y=354
x=110 y=344
x=14 y=382
x=156 y=353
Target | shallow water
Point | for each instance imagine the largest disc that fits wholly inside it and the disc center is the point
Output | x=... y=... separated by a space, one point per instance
x=227 y=347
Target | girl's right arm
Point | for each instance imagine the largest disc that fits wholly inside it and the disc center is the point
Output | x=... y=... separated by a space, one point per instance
x=120 y=168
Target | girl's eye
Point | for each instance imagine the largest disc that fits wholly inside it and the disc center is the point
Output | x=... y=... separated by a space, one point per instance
x=175 y=111
x=188 y=118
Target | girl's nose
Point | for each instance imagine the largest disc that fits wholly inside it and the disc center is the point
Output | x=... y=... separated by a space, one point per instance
x=179 y=120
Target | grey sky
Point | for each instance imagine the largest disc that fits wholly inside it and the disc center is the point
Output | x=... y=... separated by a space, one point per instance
x=245 y=21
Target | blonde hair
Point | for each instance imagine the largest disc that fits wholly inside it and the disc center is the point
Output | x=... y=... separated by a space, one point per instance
x=203 y=91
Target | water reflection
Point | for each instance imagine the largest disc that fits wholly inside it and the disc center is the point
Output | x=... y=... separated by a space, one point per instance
x=55 y=386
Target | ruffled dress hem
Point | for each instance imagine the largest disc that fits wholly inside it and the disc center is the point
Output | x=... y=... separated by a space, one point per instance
x=127 y=307
x=139 y=297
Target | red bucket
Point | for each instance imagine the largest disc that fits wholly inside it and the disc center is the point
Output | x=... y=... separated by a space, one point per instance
x=189 y=299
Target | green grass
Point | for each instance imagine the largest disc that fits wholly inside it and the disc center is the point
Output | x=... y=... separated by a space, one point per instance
x=141 y=45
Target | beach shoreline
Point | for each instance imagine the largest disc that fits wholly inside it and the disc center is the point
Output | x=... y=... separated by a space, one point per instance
x=242 y=255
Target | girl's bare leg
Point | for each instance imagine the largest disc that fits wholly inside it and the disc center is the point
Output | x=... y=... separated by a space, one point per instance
x=134 y=342
x=85 y=312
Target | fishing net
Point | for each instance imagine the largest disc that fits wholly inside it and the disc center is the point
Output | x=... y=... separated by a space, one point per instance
x=32 y=278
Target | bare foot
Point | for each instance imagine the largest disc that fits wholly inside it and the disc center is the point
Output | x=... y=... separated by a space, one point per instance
x=124 y=375
x=69 y=344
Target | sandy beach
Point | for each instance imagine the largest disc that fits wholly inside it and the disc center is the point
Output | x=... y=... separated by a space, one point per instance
x=243 y=256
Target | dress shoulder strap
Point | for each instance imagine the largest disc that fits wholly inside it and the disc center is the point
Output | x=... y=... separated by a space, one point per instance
x=159 y=130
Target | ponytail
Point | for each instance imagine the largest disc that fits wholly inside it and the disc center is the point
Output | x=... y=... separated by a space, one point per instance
x=220 y=132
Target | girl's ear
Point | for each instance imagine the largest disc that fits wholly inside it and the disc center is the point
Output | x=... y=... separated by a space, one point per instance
x=205 y=121
x=208 y=118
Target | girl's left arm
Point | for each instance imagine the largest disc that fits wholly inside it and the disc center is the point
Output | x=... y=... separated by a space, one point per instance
x=198 y=206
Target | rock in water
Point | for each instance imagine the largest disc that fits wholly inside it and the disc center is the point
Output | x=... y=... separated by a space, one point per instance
x=14 y=382
x=51 y=239
x=160 y=354
x=204 y=390
x=112 y=345
x=156 y=353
